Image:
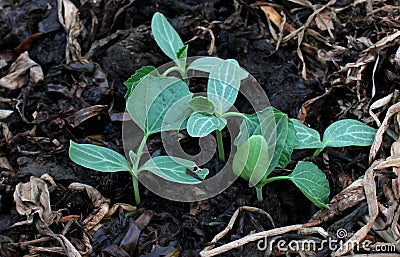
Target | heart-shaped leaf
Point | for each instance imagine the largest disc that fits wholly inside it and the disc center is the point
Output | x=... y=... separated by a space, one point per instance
x=206 y=64
x=200 y=124
x=166 y=36
x=307 y=137
x=159 y=104
x=348 y=132
x=201 y=104
x=175 y=169
x=312 y=182
x=97 y=158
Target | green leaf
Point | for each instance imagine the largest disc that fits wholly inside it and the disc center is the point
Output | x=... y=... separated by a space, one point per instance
x=312 y=182
x=166 y=36
x=308 y=137
x=97 y=158
x=182 y=52
x=159 y=104
x=132 y=156
x=251 y=126
x=251 y=160
x=223 y=86
x=206 y=64
x=132 y=82
x=175 y=169
x=275 y=131
x=201 y=104
x=291 y=142
x=348 y=132
x=282 y=131
x=200 y=124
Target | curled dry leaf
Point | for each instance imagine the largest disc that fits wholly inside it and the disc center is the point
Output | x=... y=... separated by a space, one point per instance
x=346 y=199
x=126 y=207
x=324 y=20
x=394 y=109
x=100 y=203
x=86 y=113
x=378 y=104
x=15 y=77
x=131 y=238
x=33 y=197
x=69 y=19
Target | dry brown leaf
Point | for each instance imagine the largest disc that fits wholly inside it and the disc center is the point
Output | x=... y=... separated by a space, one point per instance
x=372 y=201
x=100 y=203
x=86 y=113
x=394 y=109
x=126 y=207
x=31 y=198
x=273 y=15
x=16 y=75
x=378 y=104
x=324 y=20
x=346 y=199
x=131 y=238
x=69 y=19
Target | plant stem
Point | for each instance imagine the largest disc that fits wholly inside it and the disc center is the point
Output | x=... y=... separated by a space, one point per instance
x=234 y=114
x=277 y=178
x=139 y=152
x=135 y=183
x=317 y=152
x=134 y=173
x=221 y=152
x=174 y=68
x=259 y=193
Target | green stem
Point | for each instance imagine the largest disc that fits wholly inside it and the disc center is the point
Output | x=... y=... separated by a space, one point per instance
x=175 y=68
x=269 y=180
x=139 y=152
x=259 y=193
x=135 y=183
x=134 y=172
x=221 y=152
x=317 y=152
x=234 y=114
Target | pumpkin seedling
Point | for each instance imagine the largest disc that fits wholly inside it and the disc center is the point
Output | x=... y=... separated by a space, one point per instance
x=346 y=132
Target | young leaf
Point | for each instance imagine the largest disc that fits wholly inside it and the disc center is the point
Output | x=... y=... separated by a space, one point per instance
x=174 y=169
x=291 y=141
x=166 y=36
x=159 y=104
x=97 y=158
x=201 y=104
x=312 y=182
x=200 y=124
x=252 y=159
x=206 y=64
x=132 y=82
x=308 y=137
x=251 y=126
x=182 y=52
x=132 y=156
x=282 y=130
x=223 y=86
x=348 y=132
